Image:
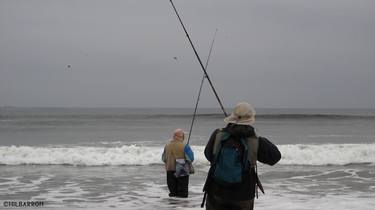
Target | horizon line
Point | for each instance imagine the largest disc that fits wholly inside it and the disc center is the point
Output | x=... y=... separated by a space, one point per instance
x=158 y=107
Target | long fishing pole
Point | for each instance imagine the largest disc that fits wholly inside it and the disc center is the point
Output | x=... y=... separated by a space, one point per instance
x=200 y=88
x=199 y=60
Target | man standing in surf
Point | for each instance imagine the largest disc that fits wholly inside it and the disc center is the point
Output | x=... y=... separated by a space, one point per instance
x=233 y=152
x=178 y=159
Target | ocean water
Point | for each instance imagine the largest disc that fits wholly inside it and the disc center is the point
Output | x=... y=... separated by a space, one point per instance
x=110 y=158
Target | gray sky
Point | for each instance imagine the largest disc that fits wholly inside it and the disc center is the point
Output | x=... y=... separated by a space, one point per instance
x=272 y=53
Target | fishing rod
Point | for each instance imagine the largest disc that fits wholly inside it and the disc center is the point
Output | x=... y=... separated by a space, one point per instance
x=199 y=60
x=200 y=88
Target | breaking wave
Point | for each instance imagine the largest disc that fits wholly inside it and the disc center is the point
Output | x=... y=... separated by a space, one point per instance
x=298 y=154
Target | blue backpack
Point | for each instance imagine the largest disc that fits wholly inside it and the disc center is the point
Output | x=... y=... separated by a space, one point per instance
x=231 y=160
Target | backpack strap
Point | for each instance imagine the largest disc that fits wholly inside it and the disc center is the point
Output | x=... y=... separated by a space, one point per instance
x=253 y=144
x=252 y=154
x=219 y=138
x=215 y=149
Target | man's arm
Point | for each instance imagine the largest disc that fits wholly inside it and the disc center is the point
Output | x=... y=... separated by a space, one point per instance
x=268 y=152
x=189 y=154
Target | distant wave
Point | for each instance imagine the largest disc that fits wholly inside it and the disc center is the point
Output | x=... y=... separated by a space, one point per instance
x=318 y=116
x=55 y=113
x=120 y=117
x=300 y=154
x=271 y=116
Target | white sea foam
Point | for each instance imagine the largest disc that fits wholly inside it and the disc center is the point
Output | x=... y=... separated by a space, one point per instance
x=289 y=201
x=327 y=154
x=299 y=154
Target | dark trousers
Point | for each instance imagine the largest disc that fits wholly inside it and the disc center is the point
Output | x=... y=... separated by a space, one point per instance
x=217 y=203
x=178 y=186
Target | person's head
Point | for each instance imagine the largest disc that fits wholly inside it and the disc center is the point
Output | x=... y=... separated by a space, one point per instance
x=243 y=114
x=178 y=134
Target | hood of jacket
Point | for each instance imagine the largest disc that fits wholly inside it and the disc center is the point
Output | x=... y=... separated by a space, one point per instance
x=240 y=131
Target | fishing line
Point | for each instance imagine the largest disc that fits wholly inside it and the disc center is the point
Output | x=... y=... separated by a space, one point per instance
x=200 y=88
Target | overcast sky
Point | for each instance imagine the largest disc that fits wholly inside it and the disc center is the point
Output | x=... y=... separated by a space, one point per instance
x=133 y=53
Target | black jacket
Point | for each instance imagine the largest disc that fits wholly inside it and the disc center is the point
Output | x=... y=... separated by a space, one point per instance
x=267 y=153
